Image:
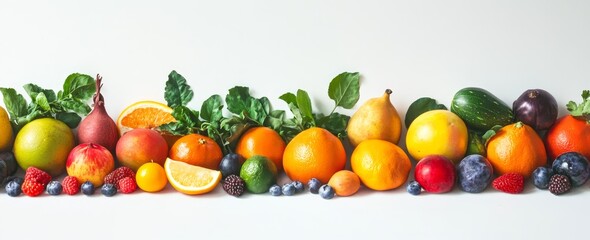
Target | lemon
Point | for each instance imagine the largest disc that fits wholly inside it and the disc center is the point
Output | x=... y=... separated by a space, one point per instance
x=44 y=143
x=6 y=133
x=259 y=173
x=437 y=132
x=190 y=179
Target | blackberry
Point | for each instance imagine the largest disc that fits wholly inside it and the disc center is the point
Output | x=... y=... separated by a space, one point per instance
x=54 y=188
x=108 y=190
x=559 y=184
x=234 y=185
x=87 y=188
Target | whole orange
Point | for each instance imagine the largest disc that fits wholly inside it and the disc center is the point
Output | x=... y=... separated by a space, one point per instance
x=516 y=148
x=568 y=134
x=345 y=183
x=381 y=165
x=262 y=141
x=198 y=150
x=314 y=153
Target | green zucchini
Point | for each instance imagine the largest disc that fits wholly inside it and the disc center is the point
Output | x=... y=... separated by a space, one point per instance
x=480 y=109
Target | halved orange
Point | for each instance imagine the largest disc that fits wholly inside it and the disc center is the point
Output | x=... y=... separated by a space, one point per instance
x=144 y=114
x=190 y=179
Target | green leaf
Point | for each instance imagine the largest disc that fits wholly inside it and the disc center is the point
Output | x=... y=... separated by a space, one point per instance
x=275 y=119
x=15 y=103
x=33 y=90
x=69 y=118
x=175 y=128
x=79 y=86
x=344 y=89
x=266 y=106
x=186 y=116
x=75 y=105
x=335 y=123
x=420 y=106
x=304 y=104
x=581 y=110
x=238 y=100
x=177 y=91
x=212 y=109
x=41 y=101
x=289 y=98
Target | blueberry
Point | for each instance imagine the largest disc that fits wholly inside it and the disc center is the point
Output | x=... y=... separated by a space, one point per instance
x=11 y=165
x=414 y=188
x=231 y=164
x=87 y=188
x=314 y=185
x=474 y=173
x=275 y=190
x=298 y=186
x=13 y=188
x=288 y=189
x=54 y=188
x=541 y=177
x=326 y=192
x=108 y=190
x=3 y=171
x=574 y=165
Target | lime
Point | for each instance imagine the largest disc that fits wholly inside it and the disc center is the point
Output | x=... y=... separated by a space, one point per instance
x=5 y=131
x=259 y=173
x=45 y=144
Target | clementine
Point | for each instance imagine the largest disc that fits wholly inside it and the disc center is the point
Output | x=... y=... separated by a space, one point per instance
x=314 y=153
x=262 y=141
x=198 y=150
x=516 y=148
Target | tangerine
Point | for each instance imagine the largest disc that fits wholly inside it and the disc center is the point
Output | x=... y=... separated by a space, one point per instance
x=198 y=150
x=262 y=141
x=516 y=148
x=314 y=153
x=568 y=134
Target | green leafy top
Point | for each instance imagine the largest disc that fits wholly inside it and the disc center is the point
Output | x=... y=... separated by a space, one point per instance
x=581 y=110
x=421 y=105
x=67 y=105
x=343 y=89
x=247 y=111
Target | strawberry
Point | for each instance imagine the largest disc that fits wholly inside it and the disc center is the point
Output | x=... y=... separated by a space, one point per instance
x=118 y=174
x=127 y=185
x=32 y=188
x=37 y=175
x=509 y=183
x=70 y=185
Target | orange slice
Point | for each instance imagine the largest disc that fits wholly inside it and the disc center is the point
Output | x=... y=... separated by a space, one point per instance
x=190 y=179
x=144 y=114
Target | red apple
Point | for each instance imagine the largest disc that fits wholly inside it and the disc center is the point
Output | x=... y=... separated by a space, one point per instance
x=90 y=162
x=435 y=173
x=140 y=146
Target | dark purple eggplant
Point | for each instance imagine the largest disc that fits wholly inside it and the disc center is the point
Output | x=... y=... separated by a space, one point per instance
x=536 y=108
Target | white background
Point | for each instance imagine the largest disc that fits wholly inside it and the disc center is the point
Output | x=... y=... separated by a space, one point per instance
x=416 y=48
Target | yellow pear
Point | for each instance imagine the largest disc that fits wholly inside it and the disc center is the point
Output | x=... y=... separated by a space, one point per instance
x=377 y=118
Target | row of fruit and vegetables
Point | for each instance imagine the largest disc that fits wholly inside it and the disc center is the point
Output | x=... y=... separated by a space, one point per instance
x=65 y=145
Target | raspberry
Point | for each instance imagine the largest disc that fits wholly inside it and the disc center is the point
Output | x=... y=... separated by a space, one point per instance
x=32 y=188
x=127 y=185
x=37 y=175
x=116 y=175
x=70 y=185
x=233 y=185
x=509 y=183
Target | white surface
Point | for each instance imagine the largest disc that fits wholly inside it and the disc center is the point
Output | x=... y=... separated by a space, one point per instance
x=416 y=48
